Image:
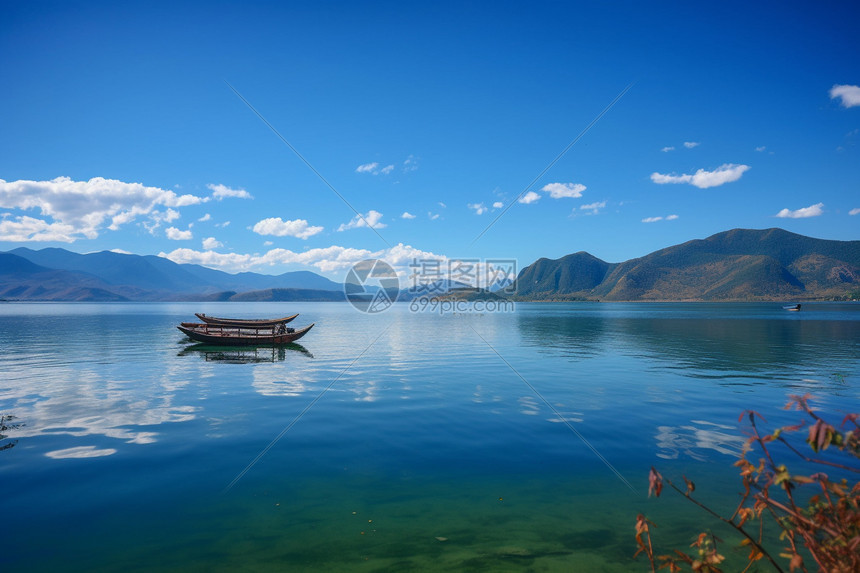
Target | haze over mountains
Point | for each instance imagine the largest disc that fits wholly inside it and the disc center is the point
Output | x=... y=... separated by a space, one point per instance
x=741 y=264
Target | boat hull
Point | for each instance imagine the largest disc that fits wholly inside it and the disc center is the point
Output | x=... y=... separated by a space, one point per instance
x=240 y=322
x=226 y=336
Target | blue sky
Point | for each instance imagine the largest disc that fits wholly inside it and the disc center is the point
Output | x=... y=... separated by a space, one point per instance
x=120 y=129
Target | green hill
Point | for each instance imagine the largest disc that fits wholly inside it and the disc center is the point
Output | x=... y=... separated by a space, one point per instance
x=741 y=264
x=572 y=276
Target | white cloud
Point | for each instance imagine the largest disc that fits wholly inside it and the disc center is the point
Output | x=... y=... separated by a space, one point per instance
x=79 y=209
x=593 y=207
x=211 y=243
x=760 y=148
x=367 y=167
x=811 y=211
x=691 y=144
x=850 y=95
x=668 y=148
x=407 y=215
x=410 y=164
x=25 y=229
x=326 y=259
x=372 y=218
x=443 y=205
x=564 y=190
x=156 y=218
x=168 y=216
x=498 y=205
x=175 y=234
x=703 y=179
x=220 y=192
x=655 y=219
x=205 y=217
x=479 y=208
x=432 y=216
x=212 y=259
x=374 y=169
x=854 y=211
x=529 y=197
x=280 y=228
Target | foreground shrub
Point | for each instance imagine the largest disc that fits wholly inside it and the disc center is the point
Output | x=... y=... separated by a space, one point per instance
x=818 y=518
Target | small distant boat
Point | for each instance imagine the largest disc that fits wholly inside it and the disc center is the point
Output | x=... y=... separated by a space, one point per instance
x=792 y=307
x=242 y=335
x=245 y=322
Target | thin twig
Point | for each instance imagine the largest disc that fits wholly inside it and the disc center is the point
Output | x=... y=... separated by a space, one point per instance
x=816 y=460
x=734 y=526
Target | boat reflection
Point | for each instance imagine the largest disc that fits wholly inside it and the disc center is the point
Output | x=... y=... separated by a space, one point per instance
x=244 y=354
x=6 y=425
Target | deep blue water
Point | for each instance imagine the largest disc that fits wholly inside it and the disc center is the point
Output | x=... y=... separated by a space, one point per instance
x=389 y=442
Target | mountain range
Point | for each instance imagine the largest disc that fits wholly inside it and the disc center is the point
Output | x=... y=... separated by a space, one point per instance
x=61 y=275
x=736 y=265
x=740 y=264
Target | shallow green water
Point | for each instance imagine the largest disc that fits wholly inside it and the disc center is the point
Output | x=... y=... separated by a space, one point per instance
x=391 y=442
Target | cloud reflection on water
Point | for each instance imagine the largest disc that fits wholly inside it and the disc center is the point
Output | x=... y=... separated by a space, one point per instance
x=84 y=377
x=63 y=401
x=281 y=381
x=80 y=452
x=691 y=440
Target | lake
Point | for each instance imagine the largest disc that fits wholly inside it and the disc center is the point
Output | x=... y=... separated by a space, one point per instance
x=397 y=441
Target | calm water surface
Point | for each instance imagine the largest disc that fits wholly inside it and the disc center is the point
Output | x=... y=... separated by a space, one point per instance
x=392 y=442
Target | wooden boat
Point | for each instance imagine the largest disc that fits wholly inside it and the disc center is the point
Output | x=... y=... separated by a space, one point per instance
x=249 y=322
x=242 y=335
x=792 y=308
